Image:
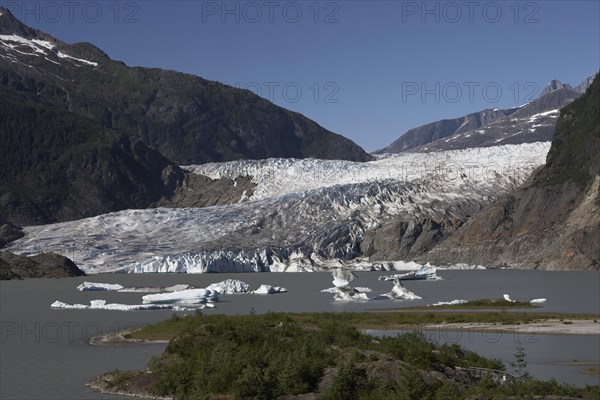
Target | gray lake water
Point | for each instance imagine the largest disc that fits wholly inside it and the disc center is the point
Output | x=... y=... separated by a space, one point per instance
x=45 y=354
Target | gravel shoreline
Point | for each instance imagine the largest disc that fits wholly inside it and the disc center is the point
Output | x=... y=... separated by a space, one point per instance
x=547 y=327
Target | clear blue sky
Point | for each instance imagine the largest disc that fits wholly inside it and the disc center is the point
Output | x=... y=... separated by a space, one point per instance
x=362 y=66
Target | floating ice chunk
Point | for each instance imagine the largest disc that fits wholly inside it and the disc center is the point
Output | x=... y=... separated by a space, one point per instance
x=102 y=305
x=109 y=287
x=507 y=298
x=538 y=301
x=60 y=304
x=425 y=272
x=449 y=303
x=461 y=267
x=92 y=286
x=349 y=294
x=358 y=289
x=230 y=286
x=177 y=288
x=141 y=289
x=342 y=291
x=155 y=289
x=268 y=289
x=399 y=292
x=191 y=296
x=342 y=277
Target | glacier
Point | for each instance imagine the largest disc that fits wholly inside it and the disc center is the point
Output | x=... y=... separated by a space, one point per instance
x=304 y=215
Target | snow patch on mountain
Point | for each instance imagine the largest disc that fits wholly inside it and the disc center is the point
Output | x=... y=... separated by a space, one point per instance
x=40 y=48
x=544 y=114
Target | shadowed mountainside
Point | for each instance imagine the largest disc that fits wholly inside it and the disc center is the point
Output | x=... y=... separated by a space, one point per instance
x=46 y=265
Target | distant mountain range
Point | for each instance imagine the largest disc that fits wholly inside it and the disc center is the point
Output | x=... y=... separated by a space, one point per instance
x=84 y=135
x=532 y=122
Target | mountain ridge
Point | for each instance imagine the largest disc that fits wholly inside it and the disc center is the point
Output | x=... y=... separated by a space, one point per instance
x=186 y=118
x=492 y=127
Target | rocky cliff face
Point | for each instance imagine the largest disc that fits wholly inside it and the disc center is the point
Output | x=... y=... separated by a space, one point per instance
x=45 y=265
x=58 y=166
x=407 y=238
x=9 y=232
x=551 y=222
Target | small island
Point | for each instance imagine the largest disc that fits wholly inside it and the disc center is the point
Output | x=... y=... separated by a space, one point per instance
x=323 y=356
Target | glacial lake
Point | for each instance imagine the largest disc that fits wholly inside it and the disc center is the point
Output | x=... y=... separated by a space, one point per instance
x=45 y=354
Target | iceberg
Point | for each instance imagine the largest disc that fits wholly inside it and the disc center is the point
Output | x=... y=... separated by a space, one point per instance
x=349 y=294
x=60 y=304
x=155 y=289
x=507 y=298
x=425 y=272
x=229 y=286
x=358 y=289
x=461 y=267
x=98 y=287
x=399 y=292
x=342 y=291
x=268 y=289
x=110 y=287
x=448 y=303
x=102 y=305
x=342 y=277
x=537 y=301
x=190 y=296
